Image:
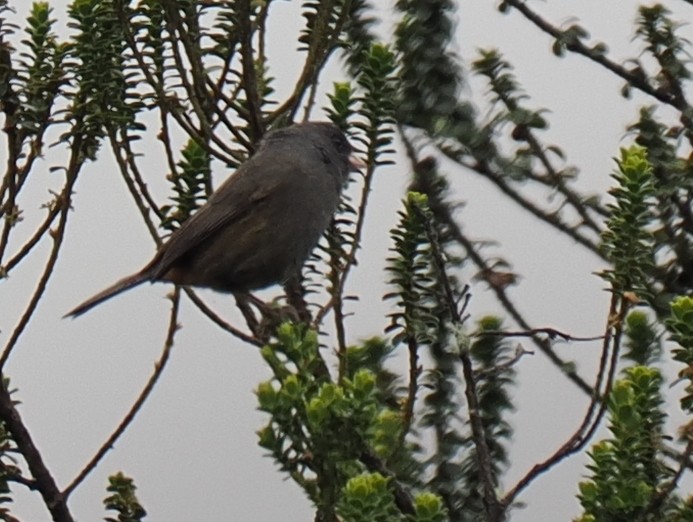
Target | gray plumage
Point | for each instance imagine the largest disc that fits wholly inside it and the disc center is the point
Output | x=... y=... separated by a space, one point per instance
x=261 y=224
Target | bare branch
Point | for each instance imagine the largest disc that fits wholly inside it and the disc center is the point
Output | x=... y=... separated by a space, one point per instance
x=551 y=333
x=137 y=405
x=598 y=403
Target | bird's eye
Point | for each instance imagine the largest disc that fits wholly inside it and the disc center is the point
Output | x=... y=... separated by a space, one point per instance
x=341 y=144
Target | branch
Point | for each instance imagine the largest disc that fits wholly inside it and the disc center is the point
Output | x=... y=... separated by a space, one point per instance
x=144 y=394
x=338 y=277
x=617 y=312
x=663 y=494
x=403 y=498
x=64 y=199
x=44 y=483
x=219 y=321
x=576 y=46
x=138 y=198
x=321 y=45
x=494 y=509
x=171 y=104
x=350 y=258
x=552 y=178
x=499 y=180
x=9 y=184
x=412 y=388
x=195 y=89
x=551 y=333
x=53 y=211
x=249 y=74
x=444 y=217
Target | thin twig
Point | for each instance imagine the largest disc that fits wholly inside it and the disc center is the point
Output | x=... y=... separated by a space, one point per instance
x=552 y=178
x=194 y=89
x=543 y=344
x=318 y=51
x=501 y=182
x=63 y=200
x=24 y=481
x=219 y=321
x=54 y=210
x=251 y=320
x=350 y=257
x=139 y=179
x=551 y=333
x=590 y=421
x=488 y=373
x=165 y=138
x=159 y=366
x=141 y=203
x=229 y=102
x=249 y=74
x=494 y=509
x=340 y=331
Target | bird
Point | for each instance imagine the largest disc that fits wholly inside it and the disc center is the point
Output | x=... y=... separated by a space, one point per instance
x=260 y=225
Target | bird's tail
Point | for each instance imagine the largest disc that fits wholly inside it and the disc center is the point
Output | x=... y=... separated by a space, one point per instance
x=120 y=286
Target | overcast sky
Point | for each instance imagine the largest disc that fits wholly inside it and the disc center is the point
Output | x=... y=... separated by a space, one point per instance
x=193 y=450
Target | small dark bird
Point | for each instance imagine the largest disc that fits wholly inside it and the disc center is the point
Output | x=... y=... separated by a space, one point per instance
x=261 y=224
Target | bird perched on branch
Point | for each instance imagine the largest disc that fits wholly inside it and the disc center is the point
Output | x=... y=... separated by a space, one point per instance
x=260 y=225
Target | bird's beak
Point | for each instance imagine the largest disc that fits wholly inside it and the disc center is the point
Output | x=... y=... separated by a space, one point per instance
x=356 y=163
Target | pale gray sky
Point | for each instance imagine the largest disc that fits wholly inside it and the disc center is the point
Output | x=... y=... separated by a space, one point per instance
x=193 y=450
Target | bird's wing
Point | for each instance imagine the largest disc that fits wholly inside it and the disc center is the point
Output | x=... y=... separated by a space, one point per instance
x=232 y=201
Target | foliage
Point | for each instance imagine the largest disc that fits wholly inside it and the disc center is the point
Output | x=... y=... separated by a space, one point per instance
x=643 y=340
x=123 y=500
x=320 y=431
x=626 y=469
x=366 y=498
x=626 y=241
x=415 y=424
x=680 y=325
x=189 y=185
